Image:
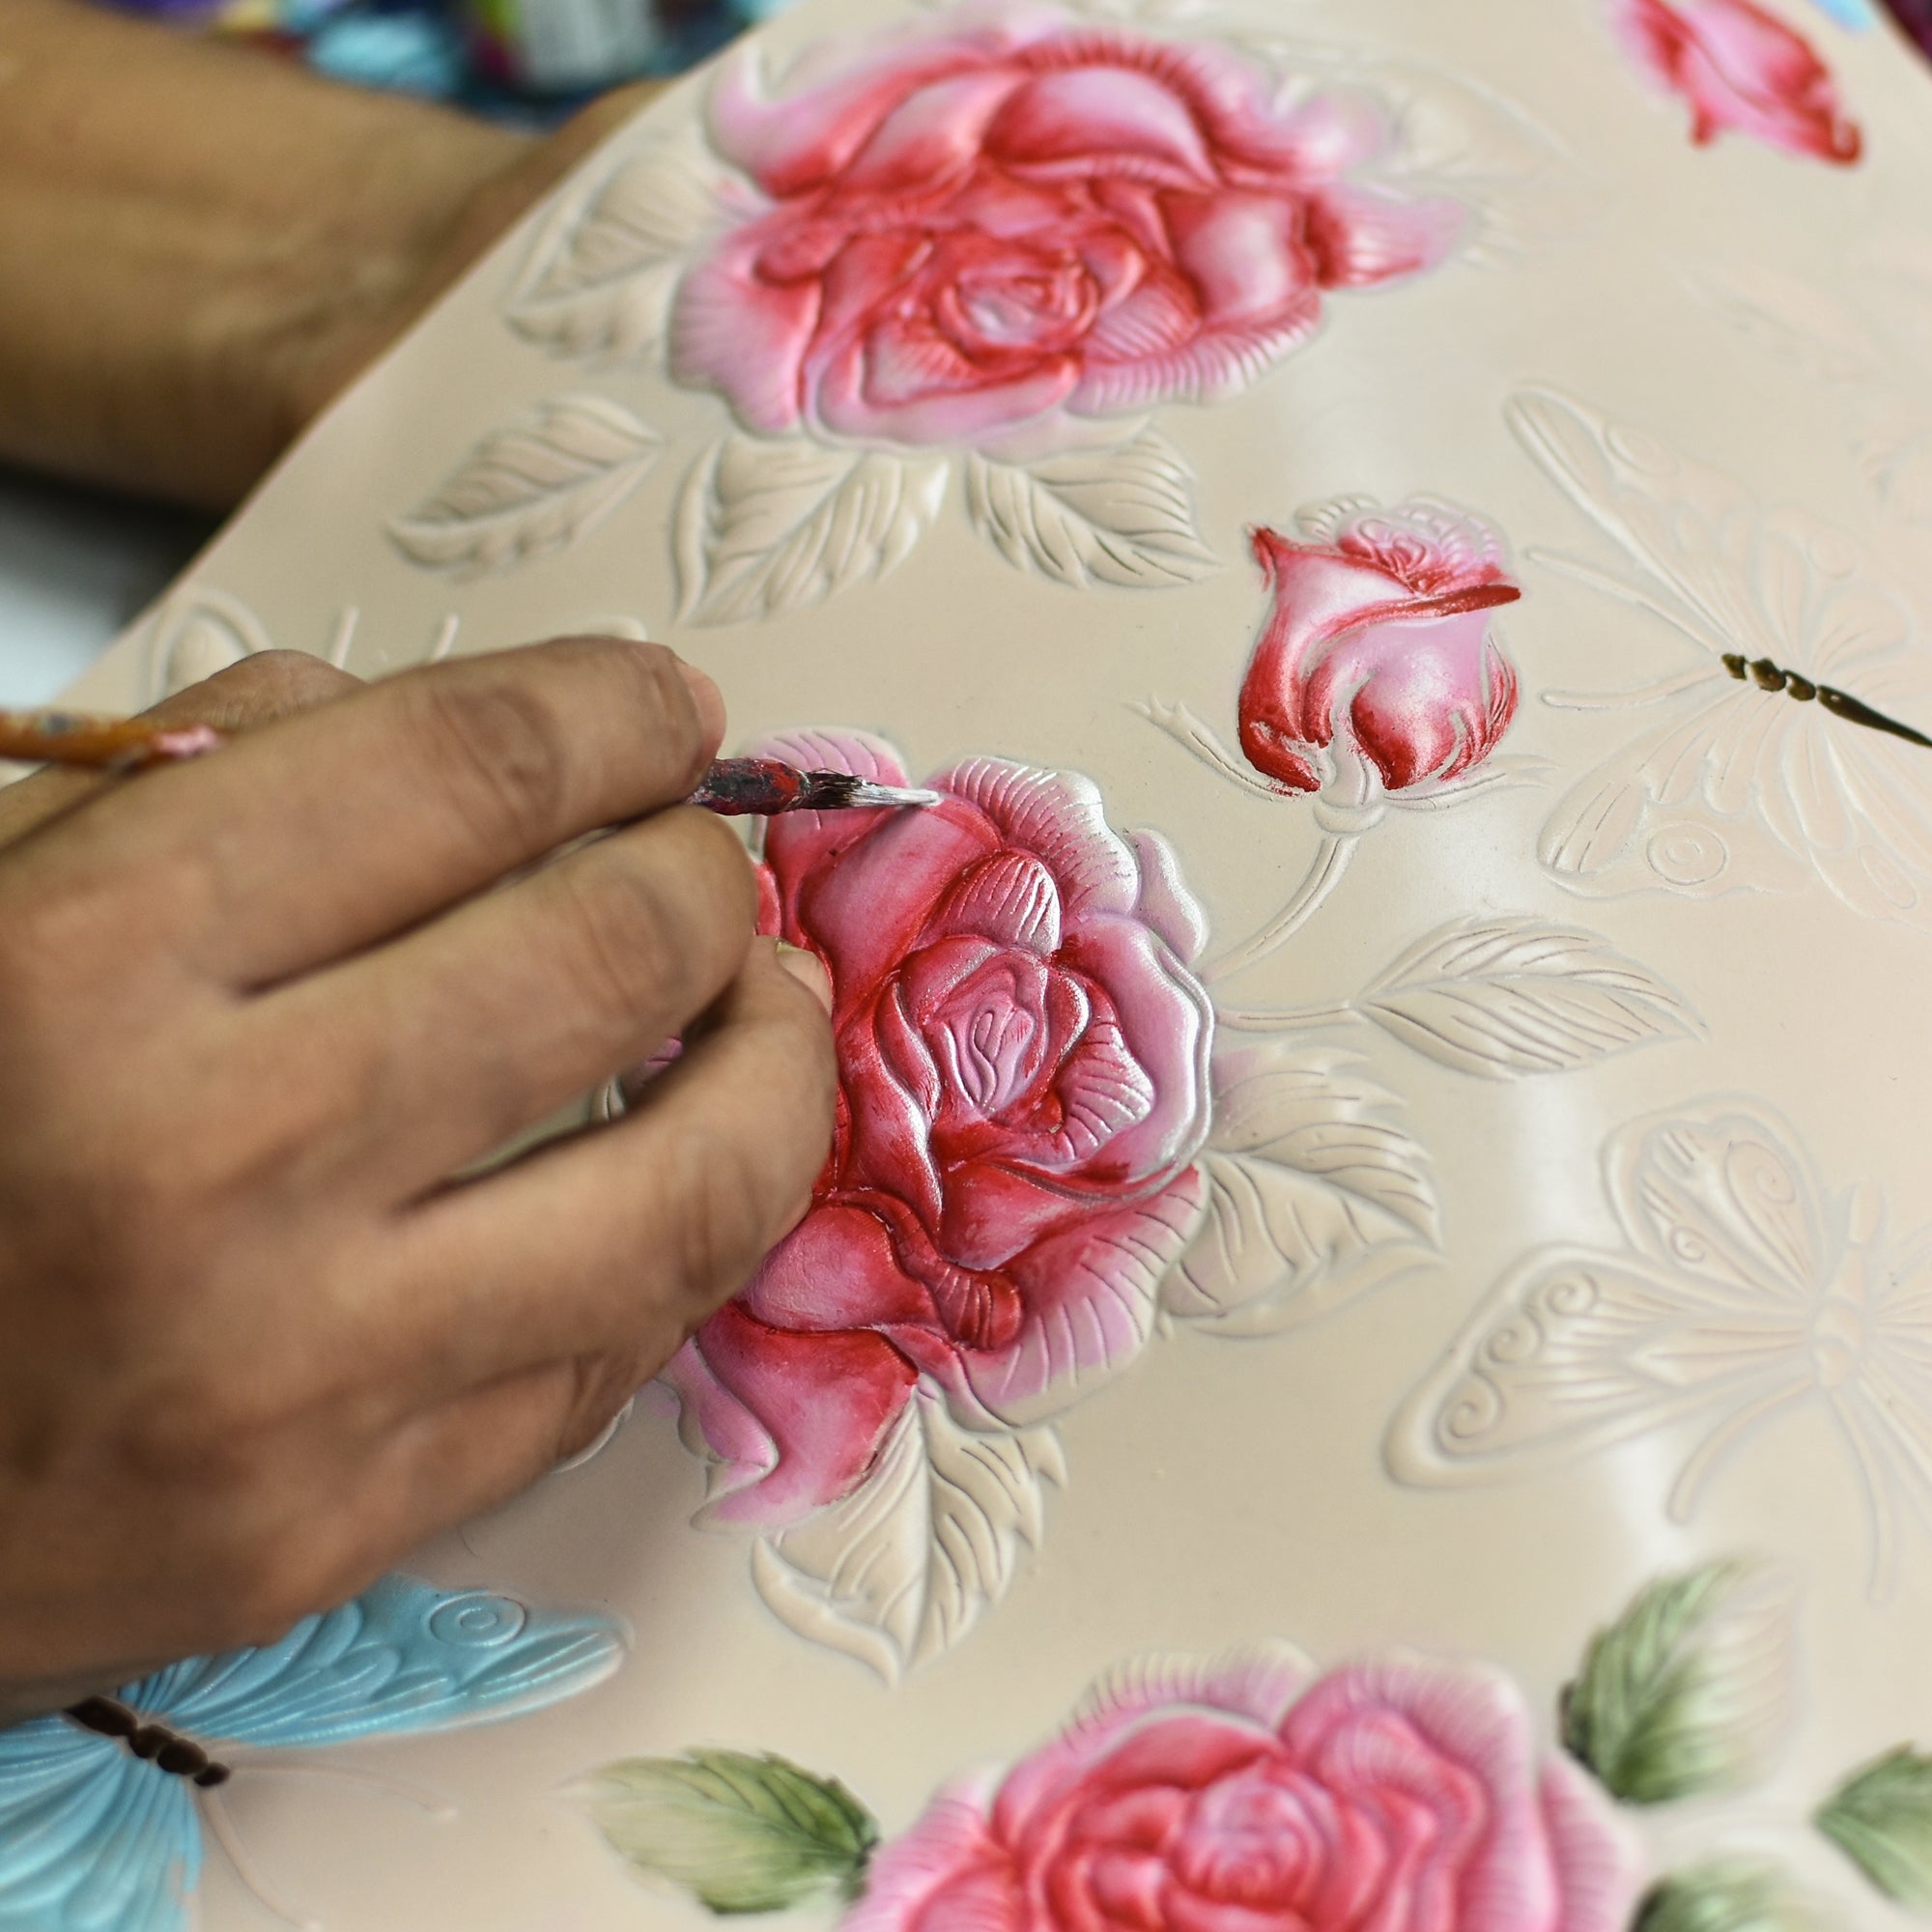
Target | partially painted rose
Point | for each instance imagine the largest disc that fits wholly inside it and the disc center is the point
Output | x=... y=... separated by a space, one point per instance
x=1739 y=67
x=1247 y=1794
x=1017 y=217
x=1023 y=1088
x=1376 y=667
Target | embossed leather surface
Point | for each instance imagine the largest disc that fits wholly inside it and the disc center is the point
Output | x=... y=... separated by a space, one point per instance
x=1387 y=1127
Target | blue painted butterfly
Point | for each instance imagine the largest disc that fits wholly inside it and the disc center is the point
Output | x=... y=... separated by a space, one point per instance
x=101 y=1825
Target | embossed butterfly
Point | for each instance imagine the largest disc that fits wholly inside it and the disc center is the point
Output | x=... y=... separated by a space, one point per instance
x=1747 y=1292
x=1795 y=745
x=101 y=1807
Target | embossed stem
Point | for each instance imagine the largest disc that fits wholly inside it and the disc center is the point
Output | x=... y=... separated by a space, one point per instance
x=1331 y=860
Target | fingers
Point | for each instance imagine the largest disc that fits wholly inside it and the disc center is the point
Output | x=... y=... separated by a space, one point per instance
x=453 y=1039
x=256 y=692
x=621 y=1240
x=317 y=836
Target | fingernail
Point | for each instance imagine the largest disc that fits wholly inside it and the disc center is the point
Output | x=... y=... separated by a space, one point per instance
x=806 y=969
x=708 y=698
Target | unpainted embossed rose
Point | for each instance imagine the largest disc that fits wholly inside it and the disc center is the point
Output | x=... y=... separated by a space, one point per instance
x=1740 y=68
x=1023 y=1076
x=1015 y=218
x=1375 y=667
x=1247 y=1794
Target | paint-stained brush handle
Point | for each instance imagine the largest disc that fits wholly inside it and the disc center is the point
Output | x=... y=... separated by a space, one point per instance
x=734 y=788
x=105 y=744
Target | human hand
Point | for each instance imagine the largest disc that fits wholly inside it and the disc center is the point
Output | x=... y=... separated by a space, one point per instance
x=254 y=1012
x=200 y=245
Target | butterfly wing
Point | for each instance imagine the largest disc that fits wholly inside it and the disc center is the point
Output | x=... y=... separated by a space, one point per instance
x=405 y=1656
x=1644 y=818
x=91 y=1838
x=1707 y=1314
x=1753 y=787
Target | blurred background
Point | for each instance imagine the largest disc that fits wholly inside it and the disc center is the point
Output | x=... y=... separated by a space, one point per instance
x=75 y=565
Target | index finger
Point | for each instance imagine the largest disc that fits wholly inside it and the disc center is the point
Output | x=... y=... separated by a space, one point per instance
x=321 y=834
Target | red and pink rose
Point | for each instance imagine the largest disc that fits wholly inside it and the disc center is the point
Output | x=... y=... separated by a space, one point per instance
x=1741 y=68
x=1247 y=1794
x=1375 y=667
x=1023 y=1090
x=1017 y=219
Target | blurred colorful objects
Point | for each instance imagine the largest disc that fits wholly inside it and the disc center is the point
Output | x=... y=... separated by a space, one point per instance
x=526 y=59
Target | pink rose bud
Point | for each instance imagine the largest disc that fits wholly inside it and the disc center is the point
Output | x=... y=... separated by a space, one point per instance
x=1739 y=67
x=1377 y=649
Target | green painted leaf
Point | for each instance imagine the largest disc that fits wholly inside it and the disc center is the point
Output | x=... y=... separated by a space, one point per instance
x=1688 y=1690
x=741 y=1833
x=1881 y=1818
x=1726 y=1898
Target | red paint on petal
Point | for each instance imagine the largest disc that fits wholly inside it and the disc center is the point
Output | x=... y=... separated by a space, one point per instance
x=1739 y=68
x=1025 y=218
x=1378 y=645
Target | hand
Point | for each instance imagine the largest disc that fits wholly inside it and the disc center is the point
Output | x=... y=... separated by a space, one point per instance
x=200 y=245
x=255 y=1012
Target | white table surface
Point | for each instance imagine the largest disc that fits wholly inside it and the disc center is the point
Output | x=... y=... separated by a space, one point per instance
x=74 y=567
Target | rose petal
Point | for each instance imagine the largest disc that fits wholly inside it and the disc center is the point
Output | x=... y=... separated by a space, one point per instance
x=807 y=135
x=867 y=906
x=746 y=337
x=1243 y=256
x=1597 y=1863
x=1010 y=899
x=1165 y=902
x=1058 y=817
x=1089 y=1295
x=796 y=1420
x=1208 y=369
x=933 y=135
x=947 y=1874
x=846 y=405
x=1100 y=120
x=1360 y=237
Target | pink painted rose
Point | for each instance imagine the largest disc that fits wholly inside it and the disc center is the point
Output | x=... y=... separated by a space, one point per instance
x=1375 y=667
x=1023 y=1088
x=1015 y=218
x=1739 y=67
x=1245 y=1794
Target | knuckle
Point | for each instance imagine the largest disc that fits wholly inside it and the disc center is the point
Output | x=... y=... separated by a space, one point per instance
x=267 y=685
x=501 y=748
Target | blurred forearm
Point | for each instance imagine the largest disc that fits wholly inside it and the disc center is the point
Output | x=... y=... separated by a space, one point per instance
x=200 y=244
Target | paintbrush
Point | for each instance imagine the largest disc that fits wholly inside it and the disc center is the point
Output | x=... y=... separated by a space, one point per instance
x=734 y=788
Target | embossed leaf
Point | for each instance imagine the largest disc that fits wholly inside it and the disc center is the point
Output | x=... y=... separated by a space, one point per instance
x=197 y=632
x=1506 y=997
x=1688 y=1690
x=532 y=488
x=600 y=278
x=765 y=526
x=742 y=1833
x=1123 y=516
x=899 y=1571
x=1521 y=187
x=1881 y=1818
x=1314 y=1193
x=1727 y=1898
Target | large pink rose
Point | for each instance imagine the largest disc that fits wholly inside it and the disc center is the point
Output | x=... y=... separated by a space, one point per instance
x=1739 y=67
x=1023 y=1088
x=1237 y=1795
x=1014 y=216
x=1376 y=667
